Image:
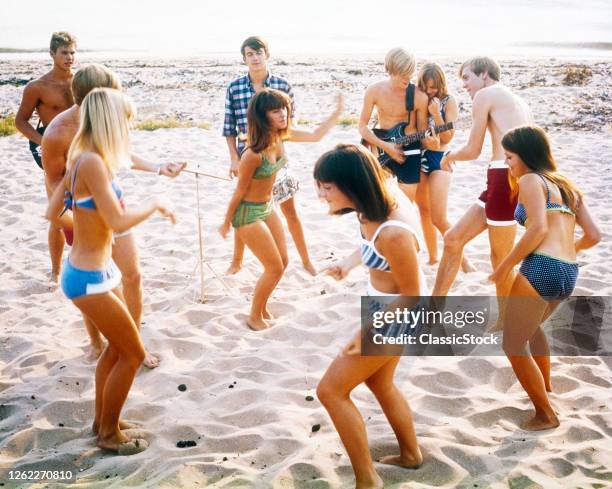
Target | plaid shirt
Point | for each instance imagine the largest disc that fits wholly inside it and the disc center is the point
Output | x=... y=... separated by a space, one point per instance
x=237 y=99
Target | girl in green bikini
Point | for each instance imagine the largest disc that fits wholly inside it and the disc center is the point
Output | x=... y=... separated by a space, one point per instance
x=251 y=209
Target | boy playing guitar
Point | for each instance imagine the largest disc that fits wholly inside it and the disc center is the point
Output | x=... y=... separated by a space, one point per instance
x=391 y=98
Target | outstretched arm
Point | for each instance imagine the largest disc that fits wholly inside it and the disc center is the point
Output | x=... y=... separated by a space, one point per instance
x=299 y=136
x=342 y=268
x=480 y=116
x=171 y=170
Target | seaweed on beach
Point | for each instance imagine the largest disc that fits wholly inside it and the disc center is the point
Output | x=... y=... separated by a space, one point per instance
x=577 y=75
x=16 y=82
x=169 y=123
x=7 y=125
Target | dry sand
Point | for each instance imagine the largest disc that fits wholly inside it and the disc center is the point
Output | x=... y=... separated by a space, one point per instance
x=246 y=402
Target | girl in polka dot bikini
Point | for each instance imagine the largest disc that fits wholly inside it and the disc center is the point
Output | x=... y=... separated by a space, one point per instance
x=549 y=207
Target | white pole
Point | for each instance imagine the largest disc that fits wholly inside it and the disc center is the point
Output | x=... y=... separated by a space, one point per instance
x=200 y=238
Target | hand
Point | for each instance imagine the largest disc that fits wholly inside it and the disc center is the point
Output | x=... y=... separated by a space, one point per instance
x=172 y=170
x=354 y=346
x=337 y=271
x=224 y=229
x=446 y=163
x=165 y=211
x=434 y=106
x=233 y=171
x=432 y=140
x=395 y=152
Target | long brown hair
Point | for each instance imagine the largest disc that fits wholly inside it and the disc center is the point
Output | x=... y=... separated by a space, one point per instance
x=531 y=143
x=435 y=73
x=357 y=174
x=260 y=134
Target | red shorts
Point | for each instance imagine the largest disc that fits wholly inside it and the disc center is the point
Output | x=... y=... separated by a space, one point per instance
x=498 y=199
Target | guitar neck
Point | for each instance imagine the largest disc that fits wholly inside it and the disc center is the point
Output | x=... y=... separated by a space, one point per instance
x=417 y=136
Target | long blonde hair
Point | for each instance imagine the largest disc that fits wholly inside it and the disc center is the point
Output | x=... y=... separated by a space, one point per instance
x=104 y=127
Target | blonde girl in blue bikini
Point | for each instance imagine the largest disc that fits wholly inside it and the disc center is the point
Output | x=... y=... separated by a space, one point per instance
x=251 y=209
x=90 y=278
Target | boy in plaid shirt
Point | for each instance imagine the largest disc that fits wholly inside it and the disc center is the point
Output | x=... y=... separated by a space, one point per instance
x=255 y=54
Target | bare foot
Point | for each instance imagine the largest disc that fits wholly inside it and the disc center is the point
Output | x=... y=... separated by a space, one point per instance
x=377 y=483
x=466 y=266
x=408 y=462
x=54 y=276
x=233 y=268
x=123 y=425
x=257 y=324
x=151 y=361
x=432 y=261
x=124 y=445
x=548 y=386
x=541 y=422
x=268 y=315
x=310 y=268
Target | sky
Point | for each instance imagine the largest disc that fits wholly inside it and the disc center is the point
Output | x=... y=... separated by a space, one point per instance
x=190 y=27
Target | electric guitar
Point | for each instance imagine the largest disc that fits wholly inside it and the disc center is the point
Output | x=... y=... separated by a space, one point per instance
x=396 y=135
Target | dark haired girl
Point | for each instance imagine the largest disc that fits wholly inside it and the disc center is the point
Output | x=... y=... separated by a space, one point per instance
x=350 y=179
x=251 y=209
x=549 y=207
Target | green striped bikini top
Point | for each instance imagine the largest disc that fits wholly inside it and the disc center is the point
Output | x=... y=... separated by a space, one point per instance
x=267 y=169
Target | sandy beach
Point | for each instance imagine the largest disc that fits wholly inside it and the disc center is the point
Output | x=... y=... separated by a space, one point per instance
x=249 y=402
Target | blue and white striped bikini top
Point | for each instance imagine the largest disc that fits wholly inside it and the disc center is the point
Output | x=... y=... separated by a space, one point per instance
x=520 y=214
x=370 y=257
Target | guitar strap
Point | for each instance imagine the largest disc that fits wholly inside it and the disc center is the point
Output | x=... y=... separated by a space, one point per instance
x=410 y=89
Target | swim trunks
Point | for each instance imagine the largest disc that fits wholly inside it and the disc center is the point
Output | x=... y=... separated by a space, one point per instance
x=498 y=200
x=36 y=149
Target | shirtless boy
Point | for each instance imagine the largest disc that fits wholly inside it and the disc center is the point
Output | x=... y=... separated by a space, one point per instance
x=48 y=95
x=497 y=109
x=388 y=97
x=55 y=145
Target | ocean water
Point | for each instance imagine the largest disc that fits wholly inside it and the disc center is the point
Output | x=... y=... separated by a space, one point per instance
x=184 y=28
